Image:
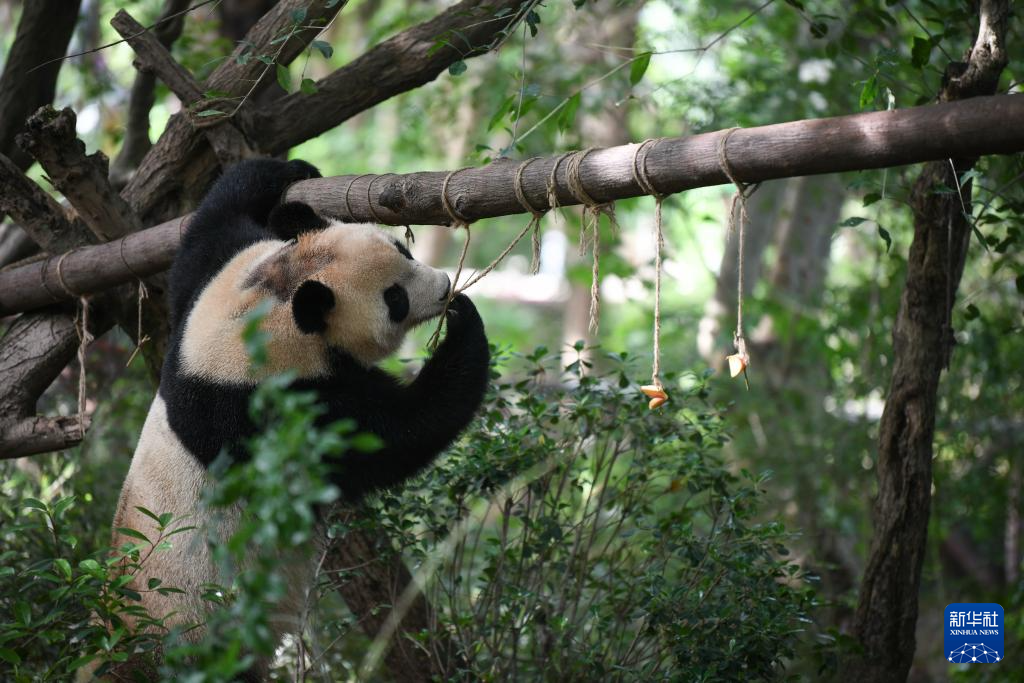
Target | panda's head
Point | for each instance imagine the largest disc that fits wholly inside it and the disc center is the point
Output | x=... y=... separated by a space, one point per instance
x=354 y=286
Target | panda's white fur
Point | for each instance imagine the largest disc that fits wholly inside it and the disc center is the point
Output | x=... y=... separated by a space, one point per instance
x=352 y=259
x=342 y=297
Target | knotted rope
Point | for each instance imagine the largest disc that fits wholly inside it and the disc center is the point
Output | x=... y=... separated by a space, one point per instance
x=84 y=337
x=458 y=220
x=141 y=293
x=642 y=179
x=590 y=222
x=534 y=225
x=536 y=216
x=739 y=361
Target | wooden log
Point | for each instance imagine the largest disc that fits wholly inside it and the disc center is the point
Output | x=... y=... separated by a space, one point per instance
x=983 y=125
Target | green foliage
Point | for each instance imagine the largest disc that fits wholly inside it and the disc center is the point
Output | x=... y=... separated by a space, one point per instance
x=576 y=535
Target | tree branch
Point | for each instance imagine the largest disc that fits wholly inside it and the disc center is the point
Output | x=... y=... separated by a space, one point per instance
x=44 y=31
x=83 y=179
x=858 y=141
x=180 y=167
x=37 y=213
x=136 y=138
x=153 y=60
x=402 y=63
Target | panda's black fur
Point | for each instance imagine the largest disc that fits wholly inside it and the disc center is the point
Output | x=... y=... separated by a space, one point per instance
x=414 y=421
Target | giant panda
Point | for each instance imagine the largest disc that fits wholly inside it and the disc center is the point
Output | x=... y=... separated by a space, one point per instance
x=342 y=297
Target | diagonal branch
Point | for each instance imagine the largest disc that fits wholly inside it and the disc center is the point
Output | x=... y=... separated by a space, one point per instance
x=177 y=171
x=858 y=141
x=50 y=137
x=136 y=138
x=153 y=60
x=403 y=62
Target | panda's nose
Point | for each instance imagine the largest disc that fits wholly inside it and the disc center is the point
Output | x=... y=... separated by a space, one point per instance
x=447 y=288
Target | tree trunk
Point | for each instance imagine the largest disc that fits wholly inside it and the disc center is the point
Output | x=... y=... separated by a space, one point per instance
x=922 y=342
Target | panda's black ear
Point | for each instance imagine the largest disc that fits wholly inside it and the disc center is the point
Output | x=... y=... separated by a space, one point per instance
x=291 y=219
x=310 y=305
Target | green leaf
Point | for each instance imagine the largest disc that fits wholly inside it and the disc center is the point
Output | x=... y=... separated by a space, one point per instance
x=323 y=47
x=457 y=68
x=298 y=15
x=132 y=533
x=567 y=117
x=869 y=92
x=886 y=237
x=80 y=662
x=639 y=67
x=149 y=513
x=62 y=505
x=308 y=87
x=153 y=583
x=34 y=504
x=10 y=656
x=63 y=566
x=284 y=79
x=921 y=52
x=852 y=222
x=211 y=112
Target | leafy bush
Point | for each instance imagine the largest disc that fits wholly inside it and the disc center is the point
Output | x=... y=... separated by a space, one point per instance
x=572 y=534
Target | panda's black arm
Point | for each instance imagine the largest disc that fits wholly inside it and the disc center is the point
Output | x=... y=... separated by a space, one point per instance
x=231 y=217
x=416 y=422
x=253 y=188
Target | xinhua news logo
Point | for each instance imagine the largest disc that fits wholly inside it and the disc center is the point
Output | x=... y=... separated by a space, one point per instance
x=974 y=633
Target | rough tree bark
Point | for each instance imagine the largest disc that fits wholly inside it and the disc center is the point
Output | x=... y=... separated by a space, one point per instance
x=43 y=34
x=136 y=142
x=922 y=342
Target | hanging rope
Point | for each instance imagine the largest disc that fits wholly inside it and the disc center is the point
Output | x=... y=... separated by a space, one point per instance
x=457 y=221
x=141 y=293
x=655 y=391
x=534 y=225
x=739 y=361
x=84 y=339
x=552 y=186
x=590 y=223
x=535 y=219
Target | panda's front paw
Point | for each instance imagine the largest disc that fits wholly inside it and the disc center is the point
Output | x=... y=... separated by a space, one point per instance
x=297 y=170
x=463 y=318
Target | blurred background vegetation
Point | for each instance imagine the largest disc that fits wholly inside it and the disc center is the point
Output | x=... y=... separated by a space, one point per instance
x=824 y=270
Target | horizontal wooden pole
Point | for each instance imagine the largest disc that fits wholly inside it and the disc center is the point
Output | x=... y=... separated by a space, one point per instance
x=971 y=128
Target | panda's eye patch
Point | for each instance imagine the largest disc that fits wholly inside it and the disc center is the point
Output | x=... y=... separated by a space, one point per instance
x=403 y=251
x=398 y=303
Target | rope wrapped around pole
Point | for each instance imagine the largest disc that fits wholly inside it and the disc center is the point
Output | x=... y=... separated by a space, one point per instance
x=970 y=128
